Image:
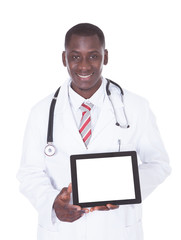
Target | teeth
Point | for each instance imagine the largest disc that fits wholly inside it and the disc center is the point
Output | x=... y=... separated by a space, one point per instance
x=85 y=76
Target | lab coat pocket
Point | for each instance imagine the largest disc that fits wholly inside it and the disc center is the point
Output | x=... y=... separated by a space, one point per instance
x=126 y=147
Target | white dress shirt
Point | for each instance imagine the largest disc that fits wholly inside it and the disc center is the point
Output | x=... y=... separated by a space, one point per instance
x=76 y=101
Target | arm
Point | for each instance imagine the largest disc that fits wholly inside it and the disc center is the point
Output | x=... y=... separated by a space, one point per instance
x=155 y=163
x=35 y=184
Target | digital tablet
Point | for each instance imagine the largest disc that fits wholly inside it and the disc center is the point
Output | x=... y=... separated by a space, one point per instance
x=102 y=178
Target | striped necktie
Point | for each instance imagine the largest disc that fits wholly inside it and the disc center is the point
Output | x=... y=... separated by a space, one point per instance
x=85 y=124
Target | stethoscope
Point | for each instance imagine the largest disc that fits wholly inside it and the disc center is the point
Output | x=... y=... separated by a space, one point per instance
x=50 y=148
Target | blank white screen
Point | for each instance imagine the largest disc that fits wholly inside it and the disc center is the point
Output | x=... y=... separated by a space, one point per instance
x=105 y=179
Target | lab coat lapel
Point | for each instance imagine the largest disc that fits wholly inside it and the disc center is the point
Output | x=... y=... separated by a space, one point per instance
x=105 y=117
x=65 y=115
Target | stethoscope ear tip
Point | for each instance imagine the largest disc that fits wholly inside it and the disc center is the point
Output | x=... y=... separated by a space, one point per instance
x=117 y=124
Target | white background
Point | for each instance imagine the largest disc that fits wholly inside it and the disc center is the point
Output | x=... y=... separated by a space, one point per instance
x=144 y=42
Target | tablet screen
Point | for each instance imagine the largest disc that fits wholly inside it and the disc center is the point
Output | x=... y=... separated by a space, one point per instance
x=98 y=179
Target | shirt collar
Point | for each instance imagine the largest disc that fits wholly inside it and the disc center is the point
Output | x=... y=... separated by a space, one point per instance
x=97 y=98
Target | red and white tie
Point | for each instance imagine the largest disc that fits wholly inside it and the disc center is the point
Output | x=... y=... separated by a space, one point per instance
x=85 y=124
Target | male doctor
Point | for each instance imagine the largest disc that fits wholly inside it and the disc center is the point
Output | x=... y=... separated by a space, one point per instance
x=46 y=181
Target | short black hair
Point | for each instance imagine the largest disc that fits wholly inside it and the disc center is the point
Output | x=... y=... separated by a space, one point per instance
x=85 y=29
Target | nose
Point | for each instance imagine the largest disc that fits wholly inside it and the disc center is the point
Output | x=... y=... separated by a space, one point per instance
x=84 y=65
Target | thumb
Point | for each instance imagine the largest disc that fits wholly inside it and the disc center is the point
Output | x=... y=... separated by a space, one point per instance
x=69 y=189
x=65 y=195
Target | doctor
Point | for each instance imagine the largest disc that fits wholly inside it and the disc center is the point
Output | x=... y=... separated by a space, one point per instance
x=45 y=180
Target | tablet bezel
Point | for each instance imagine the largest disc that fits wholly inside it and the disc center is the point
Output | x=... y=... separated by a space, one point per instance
x=132 y=154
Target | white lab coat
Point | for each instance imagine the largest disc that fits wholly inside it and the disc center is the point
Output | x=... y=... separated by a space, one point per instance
x=41 y=177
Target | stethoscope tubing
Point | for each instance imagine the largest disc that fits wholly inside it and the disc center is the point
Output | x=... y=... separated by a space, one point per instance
x=51 y=117
x=114 y=83
x=50 y=148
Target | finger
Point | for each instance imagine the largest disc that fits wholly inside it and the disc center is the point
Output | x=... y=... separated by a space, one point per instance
x=99 y=208
x=111 y=206
x=69 y=213
x=71 y=216
x=69 y=189
x=64 y=190
x=86 y=210
x=65 y=195
x=76 y=207
x=74 y=215
x=79 y=209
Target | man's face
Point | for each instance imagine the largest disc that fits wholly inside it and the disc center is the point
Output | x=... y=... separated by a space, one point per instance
x=84 y=58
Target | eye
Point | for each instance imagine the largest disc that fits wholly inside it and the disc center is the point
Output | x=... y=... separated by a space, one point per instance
x=94 y=56
x=75 y=57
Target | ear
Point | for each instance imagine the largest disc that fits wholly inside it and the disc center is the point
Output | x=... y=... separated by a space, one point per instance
x=105 y=57
x=64 y=58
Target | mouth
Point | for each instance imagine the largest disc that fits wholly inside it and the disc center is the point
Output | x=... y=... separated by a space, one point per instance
x=84 y=76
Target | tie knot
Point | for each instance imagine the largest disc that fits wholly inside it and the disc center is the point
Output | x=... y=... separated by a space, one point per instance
x=86 y=106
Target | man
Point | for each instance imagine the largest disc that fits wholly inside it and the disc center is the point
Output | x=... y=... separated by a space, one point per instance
x=46 y=180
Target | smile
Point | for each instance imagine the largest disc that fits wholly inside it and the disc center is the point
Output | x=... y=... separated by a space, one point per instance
x=85 y=76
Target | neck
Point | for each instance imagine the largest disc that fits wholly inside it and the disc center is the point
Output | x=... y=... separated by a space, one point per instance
x=87 y=92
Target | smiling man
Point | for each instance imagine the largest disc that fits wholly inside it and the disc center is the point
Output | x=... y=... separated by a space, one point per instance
x=88 y=120
x=84 y=57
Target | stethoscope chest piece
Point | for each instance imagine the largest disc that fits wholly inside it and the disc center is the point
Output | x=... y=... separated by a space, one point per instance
x=50 y=150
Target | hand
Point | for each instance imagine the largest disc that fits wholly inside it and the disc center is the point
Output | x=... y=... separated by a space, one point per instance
x=64 y=211
x=104 y=208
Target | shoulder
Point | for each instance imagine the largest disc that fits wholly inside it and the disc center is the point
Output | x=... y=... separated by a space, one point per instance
x=134 y=99
x=129 y=98
x=42 y=106
x=39 y=113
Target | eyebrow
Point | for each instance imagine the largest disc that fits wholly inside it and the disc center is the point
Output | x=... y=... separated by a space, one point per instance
x=92 y=51
x=73 y=51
